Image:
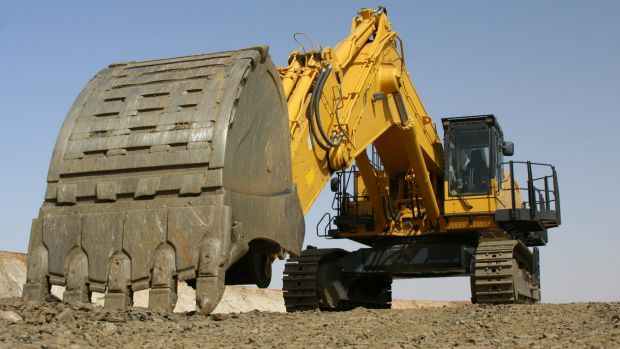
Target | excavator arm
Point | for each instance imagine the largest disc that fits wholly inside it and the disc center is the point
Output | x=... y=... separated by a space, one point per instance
x=359 y=93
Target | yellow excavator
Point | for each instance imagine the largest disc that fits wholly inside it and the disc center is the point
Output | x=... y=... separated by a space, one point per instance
x=200 y=169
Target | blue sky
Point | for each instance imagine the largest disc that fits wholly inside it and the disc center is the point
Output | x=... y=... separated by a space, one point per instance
x=549 y=70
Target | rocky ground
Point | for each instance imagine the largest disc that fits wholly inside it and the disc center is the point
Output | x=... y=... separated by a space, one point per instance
x=57 y=325
x=248 y=317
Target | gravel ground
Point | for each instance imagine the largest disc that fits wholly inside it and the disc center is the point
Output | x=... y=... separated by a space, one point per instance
x=57 y=325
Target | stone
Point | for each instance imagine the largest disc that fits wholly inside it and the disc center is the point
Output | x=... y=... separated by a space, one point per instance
x=65 y=315
x=109 y=329
x=10 y=316
x=549 y=335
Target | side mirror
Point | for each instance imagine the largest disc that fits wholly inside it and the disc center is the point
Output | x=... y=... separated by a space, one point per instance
x=334 y=184
x=508 y=148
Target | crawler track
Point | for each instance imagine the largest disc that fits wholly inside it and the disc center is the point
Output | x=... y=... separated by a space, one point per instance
x=300 y=280
x=504 y=274
x=302 y=290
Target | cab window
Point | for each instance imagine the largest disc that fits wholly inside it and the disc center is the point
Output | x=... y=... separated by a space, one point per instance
x=469 y=172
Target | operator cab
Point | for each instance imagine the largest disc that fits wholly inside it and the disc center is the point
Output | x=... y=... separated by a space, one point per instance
x=474 y=147
x=481 y=189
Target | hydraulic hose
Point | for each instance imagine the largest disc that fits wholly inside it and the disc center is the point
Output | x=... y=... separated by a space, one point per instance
x=314 y=109
x=311 y=115
x=387 y=208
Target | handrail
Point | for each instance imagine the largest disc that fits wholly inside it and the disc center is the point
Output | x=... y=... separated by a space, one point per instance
x=537 y=199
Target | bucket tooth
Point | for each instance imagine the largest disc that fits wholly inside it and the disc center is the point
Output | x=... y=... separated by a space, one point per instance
x=163 y=299
x=163 y=294
x=77 y=278
x=35 y=291
x=119 y=294
x=118 y=300
x=37 y=286
x=209 y=292
x=213 y=255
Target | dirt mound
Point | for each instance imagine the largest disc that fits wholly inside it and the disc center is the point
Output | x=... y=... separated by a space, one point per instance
x=12 y=274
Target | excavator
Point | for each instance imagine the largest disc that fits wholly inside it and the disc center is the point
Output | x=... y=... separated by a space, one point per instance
x=199 y=169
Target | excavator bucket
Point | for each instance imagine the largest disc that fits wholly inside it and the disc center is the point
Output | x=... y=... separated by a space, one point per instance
x=165 y=171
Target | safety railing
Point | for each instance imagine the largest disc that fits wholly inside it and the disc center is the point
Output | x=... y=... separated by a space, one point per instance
x=541 y=195
x=344 y=203
x=325 y=226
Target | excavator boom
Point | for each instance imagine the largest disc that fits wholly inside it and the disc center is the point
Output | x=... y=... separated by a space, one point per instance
x=344 y=99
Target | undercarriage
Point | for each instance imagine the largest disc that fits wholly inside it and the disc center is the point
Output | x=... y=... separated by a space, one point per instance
x=502 y=271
